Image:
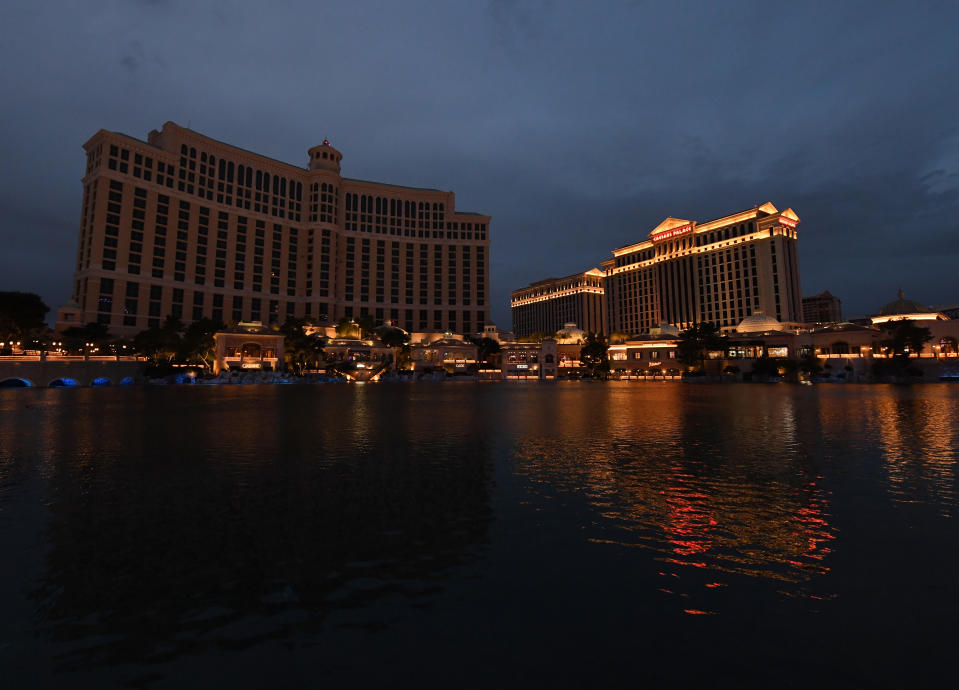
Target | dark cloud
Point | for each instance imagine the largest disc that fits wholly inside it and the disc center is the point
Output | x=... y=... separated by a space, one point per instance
x=578 y=126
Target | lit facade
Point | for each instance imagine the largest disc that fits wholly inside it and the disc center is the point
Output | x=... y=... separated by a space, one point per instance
x=183 y=224
x=719 y=272
x=248 y=346
x=544 y=306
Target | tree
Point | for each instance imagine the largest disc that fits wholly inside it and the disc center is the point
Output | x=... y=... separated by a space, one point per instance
x=158 y=345
x=172 y=324
x=594 y=355
x=198 y=345
x=20 y=313
x=485 y=348
x=367 y=324
x=765 y=367
x=300 y=351
x=696 y=341
x=391 y=336
x=77 y=337
x=904 y=338
x=809 y=365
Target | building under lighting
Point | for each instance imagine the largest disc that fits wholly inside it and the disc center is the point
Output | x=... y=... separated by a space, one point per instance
x=683 y=273
x=902 y=309
x=720 y=272
x=187 y=225
x=544 y=306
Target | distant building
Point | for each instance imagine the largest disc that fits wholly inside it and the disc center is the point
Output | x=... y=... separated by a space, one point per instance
x=822 y=308
x=544 y=306
x=682 y=274
x=950 y=310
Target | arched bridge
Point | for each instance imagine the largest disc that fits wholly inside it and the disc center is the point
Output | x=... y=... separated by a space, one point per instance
x=42 y=371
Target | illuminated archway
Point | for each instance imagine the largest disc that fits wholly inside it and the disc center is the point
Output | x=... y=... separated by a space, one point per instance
x=127 y=381
x=63 y=383
x=16 y=383
x=101 y=382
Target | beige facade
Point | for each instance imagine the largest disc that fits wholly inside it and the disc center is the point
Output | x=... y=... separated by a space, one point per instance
x=719 y=272
x=544 y=306
x=452 y=354
x=529 y=361
x=645 y=356
x=248 y=346
x=684 y=273
x=184 y=224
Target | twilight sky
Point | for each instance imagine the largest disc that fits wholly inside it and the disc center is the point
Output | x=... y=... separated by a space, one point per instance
x=578 y=126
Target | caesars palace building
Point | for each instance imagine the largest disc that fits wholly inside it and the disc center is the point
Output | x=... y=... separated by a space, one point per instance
x=685 y=273
x=186 y=225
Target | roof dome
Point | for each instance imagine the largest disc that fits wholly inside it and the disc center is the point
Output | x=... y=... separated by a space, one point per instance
x=758 y=323
x=904 y=306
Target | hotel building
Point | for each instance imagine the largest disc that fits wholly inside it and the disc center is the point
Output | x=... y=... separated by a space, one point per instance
x=546 y=305
x=684 y=273
x=186 y=225
x=822 y=308
x=720 y=272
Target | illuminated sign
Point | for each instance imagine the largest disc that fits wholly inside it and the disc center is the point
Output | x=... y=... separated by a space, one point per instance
x=673 y=232
x=522 y=366
x=788 y=222
x=251 y=365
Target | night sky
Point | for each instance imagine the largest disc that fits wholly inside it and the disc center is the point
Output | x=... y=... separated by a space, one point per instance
x=578 y=126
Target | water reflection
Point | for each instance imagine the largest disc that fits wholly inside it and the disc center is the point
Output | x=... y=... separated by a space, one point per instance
x=162 y=526
x=919 y=448
x=726 y=490
x=181 y=522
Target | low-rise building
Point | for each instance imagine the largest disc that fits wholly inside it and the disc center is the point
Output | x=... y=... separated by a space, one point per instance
x=646 y=356
x=529 y=361
x=248 y=346
x=452 y=354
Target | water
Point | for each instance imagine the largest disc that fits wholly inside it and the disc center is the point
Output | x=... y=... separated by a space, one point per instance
x=491 y=535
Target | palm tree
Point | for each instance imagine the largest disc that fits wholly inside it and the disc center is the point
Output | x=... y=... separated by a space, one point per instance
x=697 y=341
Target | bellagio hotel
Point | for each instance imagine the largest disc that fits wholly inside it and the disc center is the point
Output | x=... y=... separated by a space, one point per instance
x=183 y=224
x=686 y=272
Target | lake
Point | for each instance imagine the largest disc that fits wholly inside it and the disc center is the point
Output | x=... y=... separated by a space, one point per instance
x=575 y=534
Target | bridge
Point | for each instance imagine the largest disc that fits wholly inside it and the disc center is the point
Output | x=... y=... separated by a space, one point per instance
x=52 y=371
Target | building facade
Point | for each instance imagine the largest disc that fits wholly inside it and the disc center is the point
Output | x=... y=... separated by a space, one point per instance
x=544 y=306
x=720 y=272
x=187 y=225
x=822 y=308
